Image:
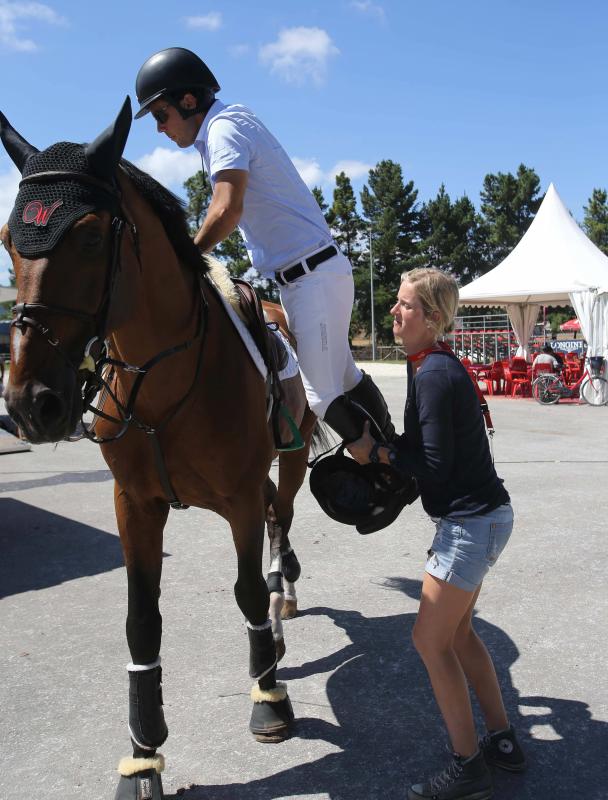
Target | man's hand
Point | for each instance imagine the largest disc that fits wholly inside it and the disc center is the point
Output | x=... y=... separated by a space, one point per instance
x=360 y=448
x=224 y=210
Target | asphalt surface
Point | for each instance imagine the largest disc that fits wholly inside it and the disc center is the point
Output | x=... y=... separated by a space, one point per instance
x=367 y=724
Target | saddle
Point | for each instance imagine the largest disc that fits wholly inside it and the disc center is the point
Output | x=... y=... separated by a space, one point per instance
x=275 y=356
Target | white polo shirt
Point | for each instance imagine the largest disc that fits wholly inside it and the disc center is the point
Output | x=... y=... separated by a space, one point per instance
x=281 y=220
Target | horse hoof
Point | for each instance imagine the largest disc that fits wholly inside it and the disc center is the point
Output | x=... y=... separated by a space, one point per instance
x=141 y=786
x=271 y=718
x=290 y=609
x=279 y=645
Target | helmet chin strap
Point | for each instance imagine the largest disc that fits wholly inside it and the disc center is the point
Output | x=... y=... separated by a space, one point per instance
x=200 y=108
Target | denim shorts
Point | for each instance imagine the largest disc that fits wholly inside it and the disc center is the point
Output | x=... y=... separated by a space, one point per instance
x=464 y=548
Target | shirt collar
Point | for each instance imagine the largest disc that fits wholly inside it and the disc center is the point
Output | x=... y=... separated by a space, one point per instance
x=201 y=136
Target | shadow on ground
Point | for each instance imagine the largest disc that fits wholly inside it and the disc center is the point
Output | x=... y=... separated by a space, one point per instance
x=61 y=478
x=390 y=734
x=41 y=549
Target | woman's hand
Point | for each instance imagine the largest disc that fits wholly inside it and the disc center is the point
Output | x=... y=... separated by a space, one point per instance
x=360 y=448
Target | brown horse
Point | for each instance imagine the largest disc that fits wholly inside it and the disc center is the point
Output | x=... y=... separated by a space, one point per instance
x=101 y=252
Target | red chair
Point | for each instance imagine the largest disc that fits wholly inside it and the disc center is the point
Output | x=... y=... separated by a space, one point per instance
x=520 y=382
x=573 y=368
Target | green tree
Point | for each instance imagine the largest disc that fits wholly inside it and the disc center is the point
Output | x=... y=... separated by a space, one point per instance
x=345 y=221
x=450 y=236
x=595 y=222
x=390 y=207
x=317 y=193
x=508 y=204
x=232 y=250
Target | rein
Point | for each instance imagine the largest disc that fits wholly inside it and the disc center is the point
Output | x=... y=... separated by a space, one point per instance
x=25 y=318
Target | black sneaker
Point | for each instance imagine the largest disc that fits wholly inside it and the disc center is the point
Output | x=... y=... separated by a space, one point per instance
x=468 y=779
x=501 y=749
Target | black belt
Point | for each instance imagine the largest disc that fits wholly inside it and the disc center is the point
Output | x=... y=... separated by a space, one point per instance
x=290 y=274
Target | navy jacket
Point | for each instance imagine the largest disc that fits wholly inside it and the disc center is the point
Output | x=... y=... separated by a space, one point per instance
x=444 y=444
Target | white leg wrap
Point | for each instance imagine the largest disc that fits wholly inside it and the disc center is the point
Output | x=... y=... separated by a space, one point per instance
x=276 y=604
x=131 y=766
x=279 y=692
x=263 y=627
x=143 y=667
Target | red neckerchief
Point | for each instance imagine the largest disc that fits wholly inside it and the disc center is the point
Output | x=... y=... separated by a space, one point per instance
x=443 y=347
x=437 y=347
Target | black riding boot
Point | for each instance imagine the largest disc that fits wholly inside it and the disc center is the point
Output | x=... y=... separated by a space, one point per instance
x=367 y=395
x=347 y=419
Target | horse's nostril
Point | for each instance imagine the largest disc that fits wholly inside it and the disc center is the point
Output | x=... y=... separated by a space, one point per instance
x=49 y=408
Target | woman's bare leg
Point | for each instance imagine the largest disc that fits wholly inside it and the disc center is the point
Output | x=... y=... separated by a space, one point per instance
x=442 y=609
x=479 y=669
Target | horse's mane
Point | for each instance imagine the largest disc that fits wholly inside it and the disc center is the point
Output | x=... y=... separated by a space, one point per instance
x=171 y=212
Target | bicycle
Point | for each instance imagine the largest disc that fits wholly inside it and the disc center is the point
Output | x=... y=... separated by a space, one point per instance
x=549 y=388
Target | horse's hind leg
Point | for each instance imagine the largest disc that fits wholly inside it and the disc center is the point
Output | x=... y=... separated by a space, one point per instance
x=141 y=534
x=272 y=713
x=274 y=578
x=292 y=471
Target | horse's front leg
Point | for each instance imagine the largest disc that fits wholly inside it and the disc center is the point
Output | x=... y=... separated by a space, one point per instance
x=141 y=533
x=272 y=713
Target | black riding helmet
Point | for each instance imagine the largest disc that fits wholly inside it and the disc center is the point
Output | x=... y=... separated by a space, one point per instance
x=169 y=71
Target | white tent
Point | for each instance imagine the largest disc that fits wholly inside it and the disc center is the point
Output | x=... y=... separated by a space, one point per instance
x=553 y=264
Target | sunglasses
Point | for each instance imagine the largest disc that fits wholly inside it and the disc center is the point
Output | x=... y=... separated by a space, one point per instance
x=160 y=114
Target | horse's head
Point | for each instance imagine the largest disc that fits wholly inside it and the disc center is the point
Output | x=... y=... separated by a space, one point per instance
x=63 y=241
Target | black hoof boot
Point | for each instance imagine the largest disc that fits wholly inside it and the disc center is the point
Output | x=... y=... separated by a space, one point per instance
x=138 y=784
x=290 y=565
x=272 y=714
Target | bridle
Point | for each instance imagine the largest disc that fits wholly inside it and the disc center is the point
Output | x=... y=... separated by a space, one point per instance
x=24 y=313
x=99 y=371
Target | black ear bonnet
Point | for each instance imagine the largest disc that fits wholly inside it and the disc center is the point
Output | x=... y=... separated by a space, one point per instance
x=46 y=209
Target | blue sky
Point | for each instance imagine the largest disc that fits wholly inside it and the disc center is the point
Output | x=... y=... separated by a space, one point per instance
x=450 y=90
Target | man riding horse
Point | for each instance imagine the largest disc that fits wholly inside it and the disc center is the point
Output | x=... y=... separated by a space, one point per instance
x=257 y=188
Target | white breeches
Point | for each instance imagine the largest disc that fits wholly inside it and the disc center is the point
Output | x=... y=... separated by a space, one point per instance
x=318 y=307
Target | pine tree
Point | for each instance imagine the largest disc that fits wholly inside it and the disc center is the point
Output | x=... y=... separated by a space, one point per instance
x=345 y=222
x=595 y=222
x=389 y=205
x=450 y=236
x=317 y=193
x=509 y=203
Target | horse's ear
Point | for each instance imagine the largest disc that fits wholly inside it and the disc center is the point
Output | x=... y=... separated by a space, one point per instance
x=15 y=145
x=105 y=152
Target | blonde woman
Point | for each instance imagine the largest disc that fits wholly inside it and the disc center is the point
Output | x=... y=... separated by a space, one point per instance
x=445 y=447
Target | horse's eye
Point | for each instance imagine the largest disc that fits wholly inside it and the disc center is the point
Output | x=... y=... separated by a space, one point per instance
x=93 y=240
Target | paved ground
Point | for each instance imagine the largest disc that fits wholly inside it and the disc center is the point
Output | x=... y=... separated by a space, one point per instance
x=367 y=724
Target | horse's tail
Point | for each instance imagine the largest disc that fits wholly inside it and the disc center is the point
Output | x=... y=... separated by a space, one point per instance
x=322 y=439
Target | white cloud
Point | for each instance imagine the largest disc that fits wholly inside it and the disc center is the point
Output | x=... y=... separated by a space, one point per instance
x=354 y=169
x=300 y=53
x=9 y=185
x=310 y=171
x=170 y=167
x=367 y=7
x=239 y=50
x=11 y=17
x=313 y=175
x=206 y=22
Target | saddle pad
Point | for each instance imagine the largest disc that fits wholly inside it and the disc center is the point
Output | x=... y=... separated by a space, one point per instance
x=292 y=367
